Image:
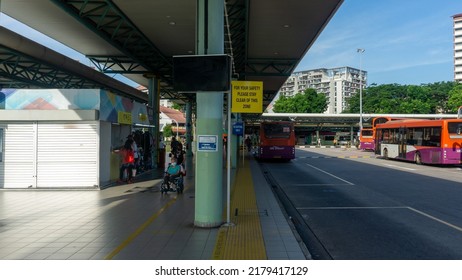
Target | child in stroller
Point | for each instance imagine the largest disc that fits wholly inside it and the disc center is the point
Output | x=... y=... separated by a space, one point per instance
x=173 y=179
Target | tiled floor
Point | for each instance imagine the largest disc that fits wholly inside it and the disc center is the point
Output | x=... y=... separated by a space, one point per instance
x=280 y=241
x=124 y=222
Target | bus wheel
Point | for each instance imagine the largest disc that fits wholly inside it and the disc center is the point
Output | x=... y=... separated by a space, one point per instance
x=385 y=153
x=418 y=158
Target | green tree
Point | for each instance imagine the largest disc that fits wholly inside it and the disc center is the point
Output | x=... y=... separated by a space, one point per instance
x=455 y=99
x=376 y=99
x=308 y=101
x=177 y=106
x=438 y=95
x=167 y=131
x=414 y=106
x=405 y=99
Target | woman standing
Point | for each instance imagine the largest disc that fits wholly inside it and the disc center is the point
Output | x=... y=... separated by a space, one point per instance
x=128 y=162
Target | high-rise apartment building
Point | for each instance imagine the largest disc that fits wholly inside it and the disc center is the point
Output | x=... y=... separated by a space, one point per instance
x=458 y=48
x=338 y=84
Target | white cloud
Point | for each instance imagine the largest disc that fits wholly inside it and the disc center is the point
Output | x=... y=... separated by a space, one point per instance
x=397 y=35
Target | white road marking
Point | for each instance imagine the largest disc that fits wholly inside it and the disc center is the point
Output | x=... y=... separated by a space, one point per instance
x=389 y=207
x=352 y=207
x=332 y=175
x=436 y=219
x=399 y=167
x=312 y=185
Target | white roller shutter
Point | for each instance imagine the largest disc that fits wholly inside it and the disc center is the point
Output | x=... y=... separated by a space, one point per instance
x=67 y=155
x=17 y=170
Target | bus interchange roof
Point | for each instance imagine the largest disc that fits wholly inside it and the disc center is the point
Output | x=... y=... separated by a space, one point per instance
x=340 y=120
x=137 y=39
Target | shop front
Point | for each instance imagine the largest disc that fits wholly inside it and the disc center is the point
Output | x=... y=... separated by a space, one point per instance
x=62 y=138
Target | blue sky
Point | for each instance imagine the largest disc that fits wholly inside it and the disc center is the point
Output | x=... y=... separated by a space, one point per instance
x=33 y=35
x=405 y=41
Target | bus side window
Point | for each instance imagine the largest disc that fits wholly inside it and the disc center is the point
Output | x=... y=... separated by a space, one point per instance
x=410 y=137
x=396 y=136
x=411 y=140
x=385 y=136
x=426 y=137
x=434 y=141
x=418 y=136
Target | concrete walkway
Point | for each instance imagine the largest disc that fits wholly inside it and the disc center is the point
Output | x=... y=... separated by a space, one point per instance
x=135 y=222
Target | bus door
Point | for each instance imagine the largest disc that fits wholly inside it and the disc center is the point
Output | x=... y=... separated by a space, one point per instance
x=378 y=138
x=402 y=142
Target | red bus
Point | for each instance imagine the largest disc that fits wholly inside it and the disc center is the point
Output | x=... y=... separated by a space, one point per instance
x=367 y=135
x=277 y=141
x=366 y=139
x=421 y=141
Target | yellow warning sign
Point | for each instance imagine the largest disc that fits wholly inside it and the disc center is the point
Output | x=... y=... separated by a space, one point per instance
x=124 y=117
x=247 y=97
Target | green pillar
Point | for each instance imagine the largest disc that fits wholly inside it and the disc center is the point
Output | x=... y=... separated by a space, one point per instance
x=352 y=134
x=189 y=129
x=233 y=141
x=154 y=94
x=209 y=165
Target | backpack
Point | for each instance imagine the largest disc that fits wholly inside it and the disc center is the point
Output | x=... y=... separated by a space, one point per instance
x=129 y=156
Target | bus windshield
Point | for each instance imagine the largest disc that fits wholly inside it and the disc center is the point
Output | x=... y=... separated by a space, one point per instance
x=367 y=132
x=276 y=130
x=455 y=128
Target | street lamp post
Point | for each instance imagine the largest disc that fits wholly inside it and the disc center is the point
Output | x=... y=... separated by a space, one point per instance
x=177 y=128
x=360 y=51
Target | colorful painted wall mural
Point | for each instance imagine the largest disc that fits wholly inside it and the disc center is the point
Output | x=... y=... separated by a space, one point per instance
x=113 y=106
x=51 y=99
x=109 y=104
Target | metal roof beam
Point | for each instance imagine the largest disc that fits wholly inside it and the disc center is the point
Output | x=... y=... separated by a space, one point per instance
x=23 y=69
x=237 y=12
x=116 y=64
x=270 y=67
x=104 y=18
x=23 y=61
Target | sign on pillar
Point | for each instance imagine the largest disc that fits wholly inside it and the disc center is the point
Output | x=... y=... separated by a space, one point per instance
x=247 y=96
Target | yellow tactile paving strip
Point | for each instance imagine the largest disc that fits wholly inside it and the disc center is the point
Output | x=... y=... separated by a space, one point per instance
x=244 y=239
